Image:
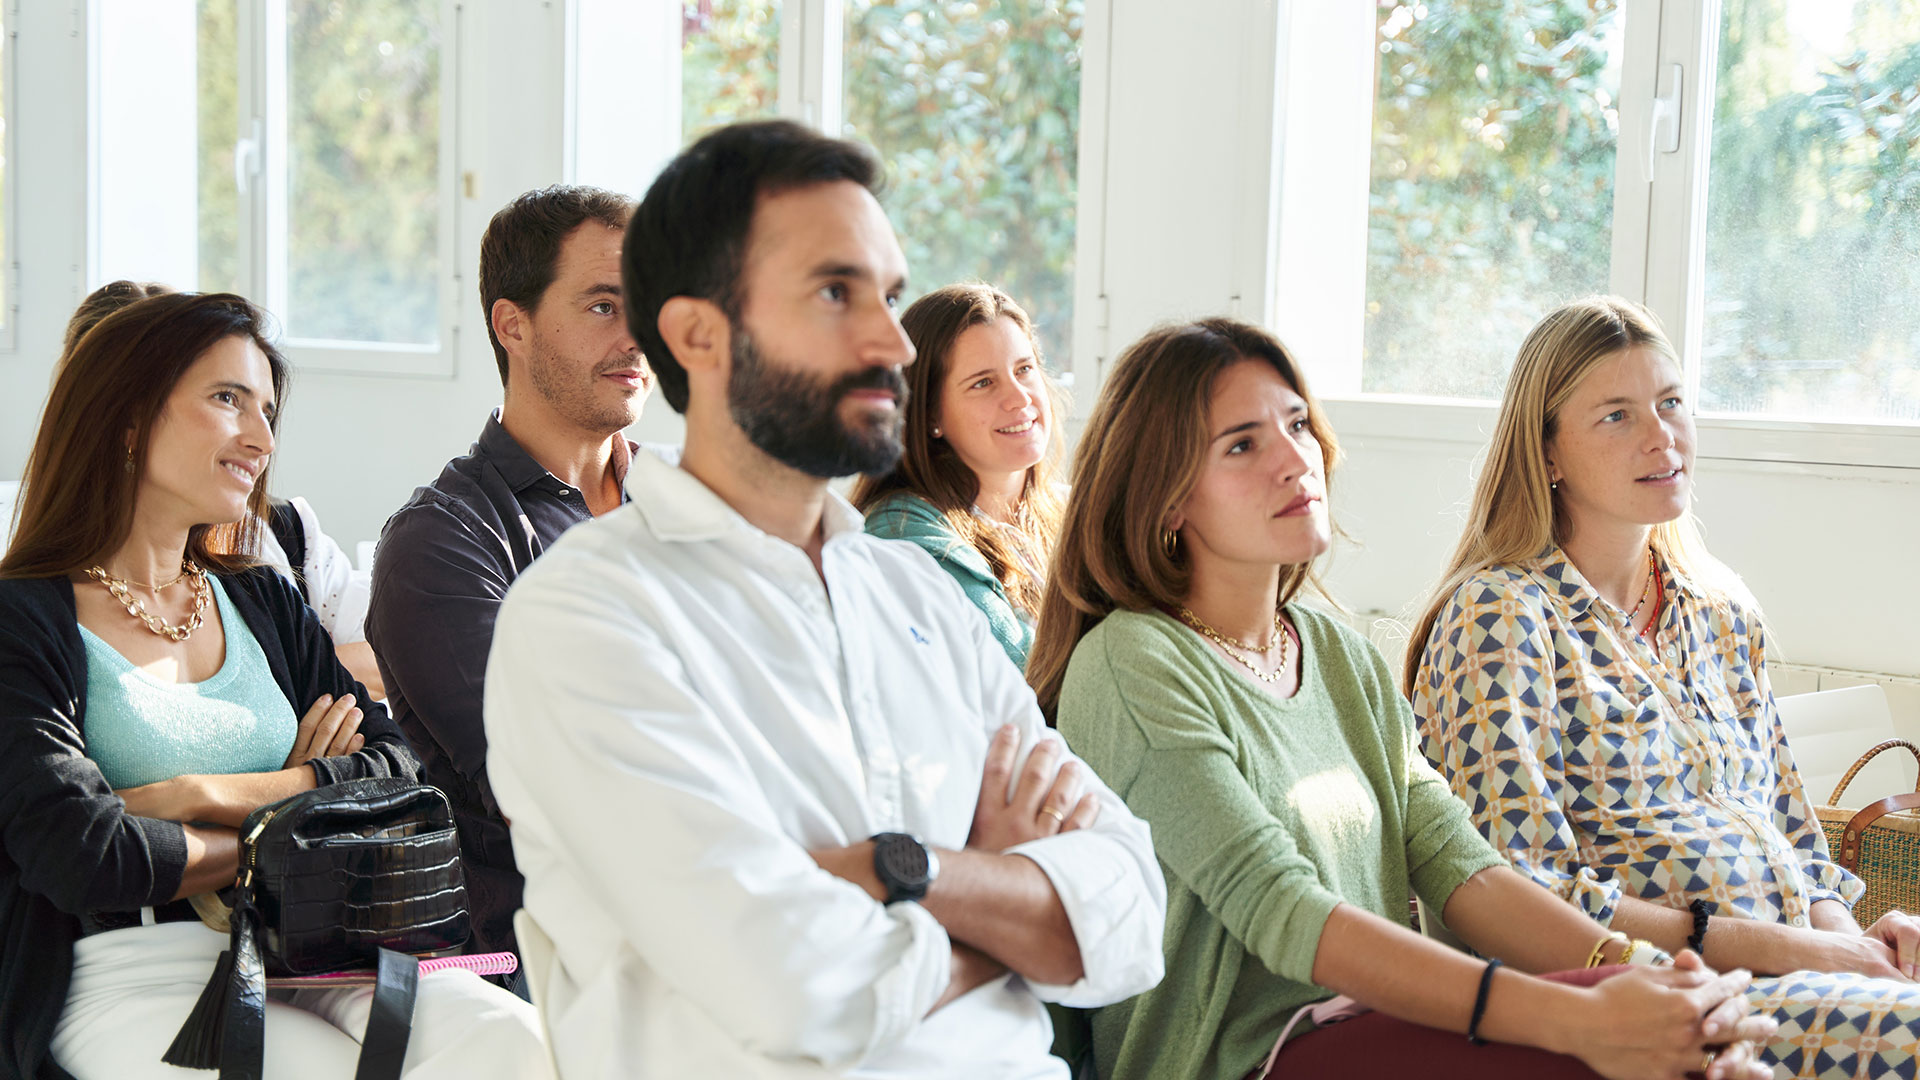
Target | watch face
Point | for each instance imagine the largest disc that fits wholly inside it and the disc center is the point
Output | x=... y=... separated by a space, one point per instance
x=902 y=864
x=906 y=860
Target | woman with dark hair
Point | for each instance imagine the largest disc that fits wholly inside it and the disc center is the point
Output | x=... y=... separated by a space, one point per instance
x=974 y=486
x=1594 y=682
x=155 y=688
x=1263 y=742
x=290 y=540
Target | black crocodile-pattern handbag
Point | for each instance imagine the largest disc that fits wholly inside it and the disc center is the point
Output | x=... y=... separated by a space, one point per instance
x=351 y=875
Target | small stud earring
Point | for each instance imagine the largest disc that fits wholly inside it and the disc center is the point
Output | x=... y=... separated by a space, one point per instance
x=936 y=433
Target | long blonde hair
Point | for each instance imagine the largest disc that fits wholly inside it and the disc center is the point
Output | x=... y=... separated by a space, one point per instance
x=1138 y=460
x=1514 y=515
x=931 y=469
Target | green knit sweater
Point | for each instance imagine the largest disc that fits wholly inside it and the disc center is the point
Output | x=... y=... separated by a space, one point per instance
x=1265 y=813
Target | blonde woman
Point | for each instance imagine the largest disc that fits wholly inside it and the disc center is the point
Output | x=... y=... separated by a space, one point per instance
x=1594 y=684
x=1264 y=743
x=975 y=486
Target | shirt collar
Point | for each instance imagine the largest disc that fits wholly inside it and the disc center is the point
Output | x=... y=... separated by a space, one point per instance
x=521 y=471
x=678 y=507
x=1558 y=573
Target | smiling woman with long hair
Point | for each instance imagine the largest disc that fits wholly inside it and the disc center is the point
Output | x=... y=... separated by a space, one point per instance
x=975 y=483
x=1263 y=742
x=155 y=688
x=1594 y=684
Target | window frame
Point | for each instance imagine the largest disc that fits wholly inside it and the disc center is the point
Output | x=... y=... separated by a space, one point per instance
x=1659 y=258
x=261 y=181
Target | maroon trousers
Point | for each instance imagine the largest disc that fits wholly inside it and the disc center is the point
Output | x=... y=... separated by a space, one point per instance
x=1377 y=1045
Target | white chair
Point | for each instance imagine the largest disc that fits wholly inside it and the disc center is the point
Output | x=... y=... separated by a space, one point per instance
x=537 y=960
x=1829 y=730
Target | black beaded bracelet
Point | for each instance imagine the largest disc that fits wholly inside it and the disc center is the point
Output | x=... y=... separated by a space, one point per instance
x=1697 y=941
x=1480 y=1004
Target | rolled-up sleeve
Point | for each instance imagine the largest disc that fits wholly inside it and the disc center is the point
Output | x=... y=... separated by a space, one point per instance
x=610 y=763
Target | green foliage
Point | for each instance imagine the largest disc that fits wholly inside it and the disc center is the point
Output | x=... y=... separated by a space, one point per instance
x=729 y=63
x=975 y=106
x=1492 y=189
x=218 y=127
x=364 y=185
x=1813 y=229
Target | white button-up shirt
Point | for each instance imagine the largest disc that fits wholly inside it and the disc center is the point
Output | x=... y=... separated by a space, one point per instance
x=679 y=708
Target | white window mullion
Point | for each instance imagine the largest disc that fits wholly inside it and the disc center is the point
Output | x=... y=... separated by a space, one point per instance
x=1636 y=150
x=1091 y=349
x=1677 y=211
x=813 y=62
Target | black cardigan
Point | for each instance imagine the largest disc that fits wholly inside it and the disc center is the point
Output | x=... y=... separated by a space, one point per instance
x=67 y=844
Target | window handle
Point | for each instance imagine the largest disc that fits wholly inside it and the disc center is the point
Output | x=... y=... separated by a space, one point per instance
x=246 y=157
x=1663 y=128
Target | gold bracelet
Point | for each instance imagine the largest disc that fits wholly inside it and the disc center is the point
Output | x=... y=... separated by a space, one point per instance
x=1627 y=957
x=1593 y=958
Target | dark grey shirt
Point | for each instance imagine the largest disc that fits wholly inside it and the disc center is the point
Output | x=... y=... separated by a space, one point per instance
x=443 y=566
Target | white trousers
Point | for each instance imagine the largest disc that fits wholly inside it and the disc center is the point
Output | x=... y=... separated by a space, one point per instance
x=133 y=988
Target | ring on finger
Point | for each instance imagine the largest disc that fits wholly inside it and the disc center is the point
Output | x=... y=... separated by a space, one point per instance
x=1707 y=1062
x=1058 y=817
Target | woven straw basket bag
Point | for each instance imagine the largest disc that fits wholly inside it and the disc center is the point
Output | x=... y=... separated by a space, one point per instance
x=1879 y=842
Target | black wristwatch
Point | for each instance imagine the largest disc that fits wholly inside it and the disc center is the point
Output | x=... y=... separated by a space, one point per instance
x=904 y=865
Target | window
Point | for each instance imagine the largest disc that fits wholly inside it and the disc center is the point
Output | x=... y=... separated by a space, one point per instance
x=321 y=171
x=1492 y=185
x=1747 y=169
x=1813 y=212
x=975 y=107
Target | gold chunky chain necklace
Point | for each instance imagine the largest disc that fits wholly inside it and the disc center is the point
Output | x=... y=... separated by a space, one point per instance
x=1235 y=648
x=122 y=590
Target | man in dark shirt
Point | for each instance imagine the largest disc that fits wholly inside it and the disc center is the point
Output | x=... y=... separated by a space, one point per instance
x=551 y=457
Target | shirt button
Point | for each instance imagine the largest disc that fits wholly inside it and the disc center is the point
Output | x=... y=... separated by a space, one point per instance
x=564 y=492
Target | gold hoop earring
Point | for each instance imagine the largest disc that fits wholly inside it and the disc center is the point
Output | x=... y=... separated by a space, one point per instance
x=1170 y=541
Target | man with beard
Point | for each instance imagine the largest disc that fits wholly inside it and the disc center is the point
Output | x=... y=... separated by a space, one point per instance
x=551 y=457
x=784 y=807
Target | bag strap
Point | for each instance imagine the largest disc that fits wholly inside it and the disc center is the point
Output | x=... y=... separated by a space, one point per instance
x=227 y=1028
x=383 y=1048
x=1857 y=826
x=1841 y=788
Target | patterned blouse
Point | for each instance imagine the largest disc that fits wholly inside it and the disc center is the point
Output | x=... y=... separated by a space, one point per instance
x=1601 y=762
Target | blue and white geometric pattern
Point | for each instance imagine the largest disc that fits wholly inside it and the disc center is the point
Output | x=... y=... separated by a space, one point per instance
x=1603 y=763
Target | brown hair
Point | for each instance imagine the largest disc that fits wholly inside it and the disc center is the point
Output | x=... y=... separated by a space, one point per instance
x=103 y=302
x=1138 y=460
x=932 y=470
x=520 y=251
x=1515 y=515
x=87 y=463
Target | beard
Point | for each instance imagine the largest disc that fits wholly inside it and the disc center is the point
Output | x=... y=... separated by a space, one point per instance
x=583 y=400
x=795 y=418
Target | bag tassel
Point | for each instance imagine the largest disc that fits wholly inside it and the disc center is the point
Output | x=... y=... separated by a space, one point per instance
x=198 y=1044
x=202 y=1040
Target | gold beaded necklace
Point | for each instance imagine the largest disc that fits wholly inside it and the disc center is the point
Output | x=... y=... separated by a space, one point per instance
x=1234 y=647
x=122 y=590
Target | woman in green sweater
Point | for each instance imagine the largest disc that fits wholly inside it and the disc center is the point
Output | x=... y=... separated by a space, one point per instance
x=1292 y=814
x=974 y=487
